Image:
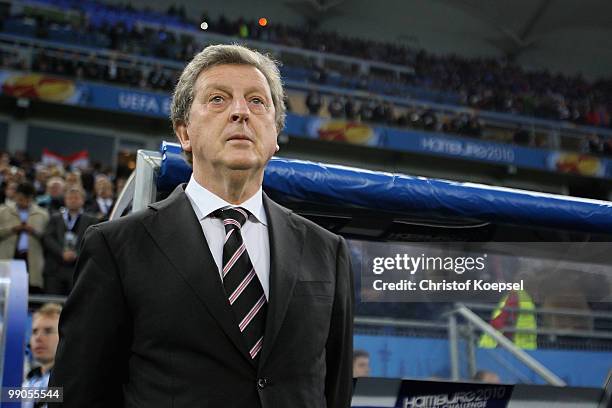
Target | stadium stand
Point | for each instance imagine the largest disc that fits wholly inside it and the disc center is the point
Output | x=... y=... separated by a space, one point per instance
x=165 y=44
x=412 y=95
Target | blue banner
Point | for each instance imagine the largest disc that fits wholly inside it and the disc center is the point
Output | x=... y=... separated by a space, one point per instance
x=126 y=100
x=122 y=99
x=440 y=144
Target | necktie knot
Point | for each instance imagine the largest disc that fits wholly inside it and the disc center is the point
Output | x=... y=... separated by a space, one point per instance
x=232 y=216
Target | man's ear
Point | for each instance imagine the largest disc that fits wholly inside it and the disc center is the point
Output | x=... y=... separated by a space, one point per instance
x=180 y=129
x=277 y=148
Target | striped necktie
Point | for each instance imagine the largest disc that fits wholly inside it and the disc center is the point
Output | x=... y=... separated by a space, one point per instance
x=242 y=286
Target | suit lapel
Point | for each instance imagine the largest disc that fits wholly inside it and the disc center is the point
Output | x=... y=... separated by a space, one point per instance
x=286 y=243
x=60 y=229
x=177 y=231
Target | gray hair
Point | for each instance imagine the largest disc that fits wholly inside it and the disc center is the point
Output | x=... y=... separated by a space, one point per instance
x=222 y=54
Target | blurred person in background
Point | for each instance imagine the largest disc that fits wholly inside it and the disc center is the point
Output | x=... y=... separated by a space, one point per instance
x=336 y=107
x=43 y=343
x=21 y=229
x=9 y=192
x=53 y=199
x=119 y=185
x=366 y=110
x=361 y=364
x=73 y=179
x=41 y=177
x=350 y=109
x=488 y=377
x=313 y=102
x=103 y=200
x=61 y=241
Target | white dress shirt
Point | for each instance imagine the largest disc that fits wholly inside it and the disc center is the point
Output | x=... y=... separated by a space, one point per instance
x=254 y=232
x=104 y=204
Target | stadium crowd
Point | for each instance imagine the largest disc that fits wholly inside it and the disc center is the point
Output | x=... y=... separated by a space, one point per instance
x=490 y=84
x=44 y=212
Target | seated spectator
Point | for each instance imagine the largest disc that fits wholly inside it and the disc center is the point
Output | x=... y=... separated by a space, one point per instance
x=402 y=120
x=361 y=363
x=53 y=199
x=350 y=110
x=474 y=127
x=366 y=110
x=388 y=113
x=43 y=343
x=21 y=229
x=61 y=241
x=336 y=107
x=429 y=120
x=415 y=118
x=379 y=112
x=593 y=144
x=313 y=102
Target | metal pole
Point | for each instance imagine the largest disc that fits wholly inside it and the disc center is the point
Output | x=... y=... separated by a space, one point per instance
x=145 y=188
x=471 y=350
x=520 y=354
x=453 y=340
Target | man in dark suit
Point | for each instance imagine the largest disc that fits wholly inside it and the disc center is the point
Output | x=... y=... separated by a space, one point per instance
x=101 y=204
x=61 y=241
x=216 y=296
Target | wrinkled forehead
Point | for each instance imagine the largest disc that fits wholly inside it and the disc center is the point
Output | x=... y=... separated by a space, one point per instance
x=232 y=76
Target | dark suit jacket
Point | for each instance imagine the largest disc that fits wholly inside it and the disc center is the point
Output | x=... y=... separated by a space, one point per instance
x=92 y=206
x=53 y=240
x=148 y=325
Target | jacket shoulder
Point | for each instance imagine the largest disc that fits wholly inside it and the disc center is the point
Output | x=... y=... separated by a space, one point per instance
x=312 y=229
x=125 y=225
x=316 y=229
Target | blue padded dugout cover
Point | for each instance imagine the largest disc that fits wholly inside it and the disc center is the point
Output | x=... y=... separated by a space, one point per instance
x=299 y=180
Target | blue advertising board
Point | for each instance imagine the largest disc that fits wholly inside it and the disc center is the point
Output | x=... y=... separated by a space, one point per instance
x=157 y=104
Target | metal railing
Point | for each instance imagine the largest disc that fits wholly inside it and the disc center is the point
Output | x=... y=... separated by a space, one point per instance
x=503 y=341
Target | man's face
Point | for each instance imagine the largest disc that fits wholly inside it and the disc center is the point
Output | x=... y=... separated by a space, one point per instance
x=55 y=189
x=72 y=179
x=491 y=378
x=9 y=191
x=361 y=367
x=42 y=175
x=231 y=121
x=104 y=188
x=22 y=201
x=73 y=201
x=44 y=338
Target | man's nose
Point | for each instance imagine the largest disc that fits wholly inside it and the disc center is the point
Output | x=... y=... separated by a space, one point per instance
x=240 y=110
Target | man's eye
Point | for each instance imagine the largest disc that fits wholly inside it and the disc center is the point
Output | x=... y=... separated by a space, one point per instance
x=216 y=99
x=257 y=101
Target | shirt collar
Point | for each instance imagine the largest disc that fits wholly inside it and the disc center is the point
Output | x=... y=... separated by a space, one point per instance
x=206 y=202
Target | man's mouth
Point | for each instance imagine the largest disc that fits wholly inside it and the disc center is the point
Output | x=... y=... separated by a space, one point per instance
x=239 y=137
